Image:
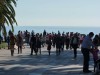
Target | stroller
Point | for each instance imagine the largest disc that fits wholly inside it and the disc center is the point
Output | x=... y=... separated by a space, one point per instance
x=97 y=67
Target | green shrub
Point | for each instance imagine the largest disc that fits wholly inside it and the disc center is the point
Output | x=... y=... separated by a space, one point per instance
x=3 y=45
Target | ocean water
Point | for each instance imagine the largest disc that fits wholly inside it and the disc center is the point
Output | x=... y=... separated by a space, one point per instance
x=49 y=29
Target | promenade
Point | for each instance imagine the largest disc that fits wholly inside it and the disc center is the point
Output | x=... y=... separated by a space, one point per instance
x=24 y=64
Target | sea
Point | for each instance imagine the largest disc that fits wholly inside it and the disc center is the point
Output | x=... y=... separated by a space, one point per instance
x=55 y=29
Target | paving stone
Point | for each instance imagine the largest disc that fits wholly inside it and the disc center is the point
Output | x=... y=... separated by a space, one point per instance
x=34 y=74
x=24 y=64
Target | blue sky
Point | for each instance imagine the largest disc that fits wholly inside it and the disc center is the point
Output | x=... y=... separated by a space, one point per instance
x=58 y=12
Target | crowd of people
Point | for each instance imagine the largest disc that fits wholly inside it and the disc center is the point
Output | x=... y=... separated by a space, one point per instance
x=39 y=40
x=60 y=41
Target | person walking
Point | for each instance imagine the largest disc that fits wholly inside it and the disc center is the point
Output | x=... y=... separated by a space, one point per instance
x=86 y=47
x=33 y=45
x=38 y=44
x=67 y=41
x=58 y=44
x=62 y=41
x=8 y=42
x=12 y=43
x=19 y=43
x=49 y=43
x=75 y=43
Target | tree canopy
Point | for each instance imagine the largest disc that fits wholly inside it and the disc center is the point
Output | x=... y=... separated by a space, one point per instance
x=7 y=14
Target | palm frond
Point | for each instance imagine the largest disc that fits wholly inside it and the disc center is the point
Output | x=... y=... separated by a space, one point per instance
x=7 y=14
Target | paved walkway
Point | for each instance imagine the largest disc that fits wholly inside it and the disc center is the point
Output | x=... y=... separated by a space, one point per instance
x=24 y=64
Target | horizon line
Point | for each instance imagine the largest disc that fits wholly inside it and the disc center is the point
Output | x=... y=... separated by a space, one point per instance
x=50 y=26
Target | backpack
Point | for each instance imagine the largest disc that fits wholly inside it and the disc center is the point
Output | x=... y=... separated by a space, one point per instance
x=75 y=40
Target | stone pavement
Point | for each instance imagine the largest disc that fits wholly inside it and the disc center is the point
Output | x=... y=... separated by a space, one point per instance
x=24 y=64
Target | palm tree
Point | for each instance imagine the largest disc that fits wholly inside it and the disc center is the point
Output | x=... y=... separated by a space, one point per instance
x=7 y=14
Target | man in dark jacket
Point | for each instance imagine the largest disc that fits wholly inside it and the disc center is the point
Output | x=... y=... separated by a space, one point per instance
x=33 y=44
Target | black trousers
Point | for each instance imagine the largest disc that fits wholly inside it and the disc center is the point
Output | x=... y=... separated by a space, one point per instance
x=86 y=59
x=33 y=48
x=75 y=52
x=67 y=46
x=19 y=49
x=75 y=46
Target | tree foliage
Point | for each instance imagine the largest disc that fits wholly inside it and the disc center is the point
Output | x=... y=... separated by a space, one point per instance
x=7 y=14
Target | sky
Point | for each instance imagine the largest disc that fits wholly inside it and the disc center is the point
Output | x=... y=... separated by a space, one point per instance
x=58 y=13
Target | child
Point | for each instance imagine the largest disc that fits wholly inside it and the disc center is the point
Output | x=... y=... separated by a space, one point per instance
x=95 y=52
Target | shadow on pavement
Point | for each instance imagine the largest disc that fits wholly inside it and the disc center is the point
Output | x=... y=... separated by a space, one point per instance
x=44 y=64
